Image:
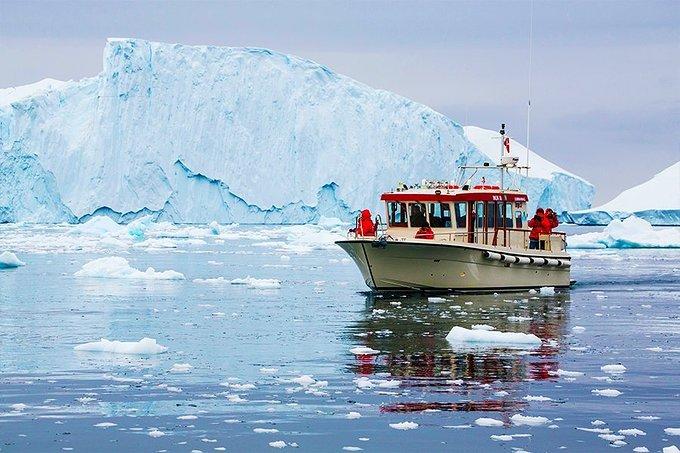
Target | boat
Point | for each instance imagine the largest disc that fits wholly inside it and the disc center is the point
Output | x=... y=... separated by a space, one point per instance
x=443 y=236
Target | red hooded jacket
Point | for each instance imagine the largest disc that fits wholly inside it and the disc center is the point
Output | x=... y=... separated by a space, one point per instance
x=366 y=226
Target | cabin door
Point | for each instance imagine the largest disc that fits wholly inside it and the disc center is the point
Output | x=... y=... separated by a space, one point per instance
x=471 y=220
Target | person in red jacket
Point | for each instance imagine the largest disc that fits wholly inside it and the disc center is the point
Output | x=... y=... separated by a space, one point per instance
x=536 y=225
x=551 y=216
x=366 y=226
x=425 y=232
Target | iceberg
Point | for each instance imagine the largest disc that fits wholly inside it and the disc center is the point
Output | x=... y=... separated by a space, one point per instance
x=143 y=346
x=656 y=201
x=195 y=134
x=9 y=260
x=632 y=232
x=118 y=267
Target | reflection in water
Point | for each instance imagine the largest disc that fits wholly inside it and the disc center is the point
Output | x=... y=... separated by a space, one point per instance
x=410 y=333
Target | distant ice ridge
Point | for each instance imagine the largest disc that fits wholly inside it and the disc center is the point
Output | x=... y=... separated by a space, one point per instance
x=194 y=134
x=656 y=201
x=629 y=233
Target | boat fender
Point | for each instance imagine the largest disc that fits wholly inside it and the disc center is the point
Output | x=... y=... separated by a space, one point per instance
x=524 y=260
x=552 y=262
x=509 y=259
x=492 y=256
x=538 y=261
x=566 y=263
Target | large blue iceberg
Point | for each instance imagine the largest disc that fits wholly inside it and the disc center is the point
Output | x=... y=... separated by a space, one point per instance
x=193 y=134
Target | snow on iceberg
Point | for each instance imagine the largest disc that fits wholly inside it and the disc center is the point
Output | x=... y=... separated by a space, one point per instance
x=118 y=267
x=632 y=232
x=248 y=135
x=460 y=336
x=143 y=346
x=10 y=260
x=656 y=200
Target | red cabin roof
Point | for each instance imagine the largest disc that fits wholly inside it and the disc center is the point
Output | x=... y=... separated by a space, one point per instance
x=487 y=193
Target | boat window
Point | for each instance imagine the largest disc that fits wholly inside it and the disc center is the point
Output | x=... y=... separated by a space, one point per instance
x=418 y=212
x=508 y=215
x=491 y=215
x=461 y=215
x=480 y=214
x=440 y=215
x=397 y=214
x=518 y=219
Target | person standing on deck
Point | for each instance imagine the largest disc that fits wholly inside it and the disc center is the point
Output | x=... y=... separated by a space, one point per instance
x=536 y=225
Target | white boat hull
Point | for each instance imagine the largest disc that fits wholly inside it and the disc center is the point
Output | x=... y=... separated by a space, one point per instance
x=435 y=266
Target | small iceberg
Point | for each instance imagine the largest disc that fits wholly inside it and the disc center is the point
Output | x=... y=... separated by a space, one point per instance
x=118 y=267
x=143 y=346
x=460 y=336
x=632 y=232
x=9 y=260
x=257 y=283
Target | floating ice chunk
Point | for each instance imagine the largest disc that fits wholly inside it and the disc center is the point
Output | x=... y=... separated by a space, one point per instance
x=143 y=346
x=547 y=290
x=648 y=418
x=105 y=425
x=265 y=430
x=187 y=417
x=10 y=260
x=486 y=421
x=457 y=426
x=507 y=437
x=118 y=267
x=598 y=423
x=162 y=243
x=632 y=432
x=565 y=373
x=257 y=283
x=537 y=398
x=578 y=329
x=277 y=444
x=641 y=450
x=611 y=437
x=363 y=350
x=156 y=433
x=484 y=338
x=404 y=425
x=520 y=420
x=671 y=449
x=212 y=281
x=672 y=431
x=482 y=327
x=436 y=299
x=596 y=430
x=353 y=415
x=181 y=368
x=632 y=232
x=18 y=407
x=97 y=226
x=606 y=392
x=349 y=448
x=266 y=370
x=613 y=369
x=304 y=380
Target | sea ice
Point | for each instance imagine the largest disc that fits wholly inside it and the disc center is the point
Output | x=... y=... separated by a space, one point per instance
x=9 y=260
x=118 y=267
x=490 y=422
x=547 y=290
x=181 y=368
x=672 y=431
x=353 y=415
x=520 y=420
x=404 y=425
x=363 y=350
x=257 y=283
x=143 y=346
x=632 y=232
x=277 y=444
x=632 y=432
x=485 y=338
x=613 y=369
x=606 y=392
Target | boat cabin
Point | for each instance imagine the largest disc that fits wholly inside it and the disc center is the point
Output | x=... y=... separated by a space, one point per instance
x=481 y=214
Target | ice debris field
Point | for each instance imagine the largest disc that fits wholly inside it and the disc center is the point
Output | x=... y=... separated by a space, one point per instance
x=225 y=337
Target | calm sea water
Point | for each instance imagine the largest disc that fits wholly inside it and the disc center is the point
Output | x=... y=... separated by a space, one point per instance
x=274 y=366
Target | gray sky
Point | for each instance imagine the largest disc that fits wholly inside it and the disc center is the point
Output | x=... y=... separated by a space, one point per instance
x=605 y=78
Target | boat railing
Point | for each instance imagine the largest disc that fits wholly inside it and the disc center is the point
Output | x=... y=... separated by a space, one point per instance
x=514 y=238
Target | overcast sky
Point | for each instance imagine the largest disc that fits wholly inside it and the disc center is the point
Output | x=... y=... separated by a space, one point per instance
x=605 y=77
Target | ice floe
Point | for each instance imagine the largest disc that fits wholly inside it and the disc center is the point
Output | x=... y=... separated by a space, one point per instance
x=613 y=369
x=488 y=422
x=632 y=232
x=606 y=392
x=10 y=260
x=119 y=267
x=363 y=350
x=460 y=336
x=143 y=346
x=672 y=431
x=257 y=283
x=181 y=368
x=404 y=425
x=526 y=420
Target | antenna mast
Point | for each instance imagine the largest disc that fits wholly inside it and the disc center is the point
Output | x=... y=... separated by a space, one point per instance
x=531 y=39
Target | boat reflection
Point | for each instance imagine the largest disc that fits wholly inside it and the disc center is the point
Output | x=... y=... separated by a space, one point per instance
x=410 y=333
